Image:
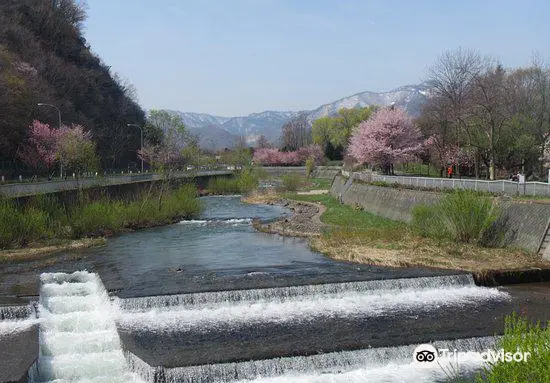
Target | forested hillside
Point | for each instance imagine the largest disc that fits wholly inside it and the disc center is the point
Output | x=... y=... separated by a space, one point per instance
x=44 y=58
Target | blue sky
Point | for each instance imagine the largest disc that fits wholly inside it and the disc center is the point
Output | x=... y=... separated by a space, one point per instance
x=235 y=57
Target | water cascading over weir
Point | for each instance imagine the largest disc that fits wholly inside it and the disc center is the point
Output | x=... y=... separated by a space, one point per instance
x=79 y=340
x=244 y=311
x=78 y=337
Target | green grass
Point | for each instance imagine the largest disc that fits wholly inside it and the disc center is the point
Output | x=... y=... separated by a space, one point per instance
x=20 y=225
x=44 y=218
x=245 y=181
x=318 y=184
x=346 y=216
x=417 y=169
x=520 y=334
x=292 y=181
x=223 y=185
x=462 y=216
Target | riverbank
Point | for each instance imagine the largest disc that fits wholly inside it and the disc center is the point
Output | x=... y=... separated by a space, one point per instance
x=46 y=224
x=350 y=234
x=37 y=251
x=305 y=220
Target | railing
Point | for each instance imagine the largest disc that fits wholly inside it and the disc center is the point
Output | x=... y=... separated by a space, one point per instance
x=27 y=189
x=498 y=186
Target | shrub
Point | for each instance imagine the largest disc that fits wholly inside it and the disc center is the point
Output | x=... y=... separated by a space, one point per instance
x=292 y=181
x=10 y=219
x=245 y=181
x=97 y=217
x=310 y=167
x=51 y=206
x=223 y=185
x=44 y=216
x=426 y=221
x=19 y=227
x=522 y=335
x=34 y=225
x=462 y=216
x=183 y=203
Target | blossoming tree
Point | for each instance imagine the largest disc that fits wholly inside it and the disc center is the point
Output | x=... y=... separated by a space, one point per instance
x=40 y=153
x=387 y=138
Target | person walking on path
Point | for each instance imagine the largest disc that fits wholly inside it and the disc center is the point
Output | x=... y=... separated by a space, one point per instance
x=450 y=171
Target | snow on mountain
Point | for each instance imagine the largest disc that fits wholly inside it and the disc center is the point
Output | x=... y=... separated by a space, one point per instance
x=410 y=97
x=217 y=132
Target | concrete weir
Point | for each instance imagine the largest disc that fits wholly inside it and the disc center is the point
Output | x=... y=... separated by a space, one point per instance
x=78 y=325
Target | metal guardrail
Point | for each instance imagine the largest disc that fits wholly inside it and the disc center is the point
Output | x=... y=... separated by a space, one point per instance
x=498 y=186
x=27 y=189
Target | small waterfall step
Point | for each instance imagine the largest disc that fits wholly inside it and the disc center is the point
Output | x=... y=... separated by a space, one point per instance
x=387 y=364
x=17 y=312
x=293 y=292
x=78 y=341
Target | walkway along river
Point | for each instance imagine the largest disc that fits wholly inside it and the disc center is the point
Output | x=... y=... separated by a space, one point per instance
x=212 y=300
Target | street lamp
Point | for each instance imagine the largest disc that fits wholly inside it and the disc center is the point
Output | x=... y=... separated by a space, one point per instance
x=141 y=131
x=59 y=116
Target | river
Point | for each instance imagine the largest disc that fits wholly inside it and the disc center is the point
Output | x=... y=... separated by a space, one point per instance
x=212 y=300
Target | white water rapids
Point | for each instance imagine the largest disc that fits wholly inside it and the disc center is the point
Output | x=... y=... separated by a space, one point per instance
x=78 y=336
x=286 y=304
x=79 y=341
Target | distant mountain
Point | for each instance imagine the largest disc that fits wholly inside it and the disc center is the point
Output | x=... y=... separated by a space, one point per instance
x=409 y=97
x=216 y=132
x=213 y=137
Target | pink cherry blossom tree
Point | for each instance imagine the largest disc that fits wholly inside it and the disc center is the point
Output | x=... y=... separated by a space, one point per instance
x=387 y=138
x=268 y=156
x=41 y=150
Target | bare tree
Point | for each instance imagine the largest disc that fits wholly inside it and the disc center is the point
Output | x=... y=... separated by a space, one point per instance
x=296 y=133
x=491 y=111
x=263 y=142
x=530 y=89
x=453 y=76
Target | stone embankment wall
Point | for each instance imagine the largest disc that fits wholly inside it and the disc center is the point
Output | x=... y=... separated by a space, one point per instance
x=525 y=223
x=328 y=172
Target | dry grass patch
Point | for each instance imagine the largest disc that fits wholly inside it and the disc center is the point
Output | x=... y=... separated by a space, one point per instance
x=38 y=251
x=404 y=248
x=257 y=197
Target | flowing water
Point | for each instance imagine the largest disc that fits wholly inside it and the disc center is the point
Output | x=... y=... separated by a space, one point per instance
x=211 y=300
x=78 y=337
x=385 y=364
x=298 y=303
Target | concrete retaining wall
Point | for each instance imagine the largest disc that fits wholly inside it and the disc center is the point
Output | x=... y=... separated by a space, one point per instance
x=15 y=190
x=328 y=172
x=525 y=223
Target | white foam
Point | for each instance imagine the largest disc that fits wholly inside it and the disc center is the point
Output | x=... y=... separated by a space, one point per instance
x=391 y=372
x=78 y=337
x=10 y=327
x=300 y=291
x=205 y=222
x=285 y=309
x=384 y=364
